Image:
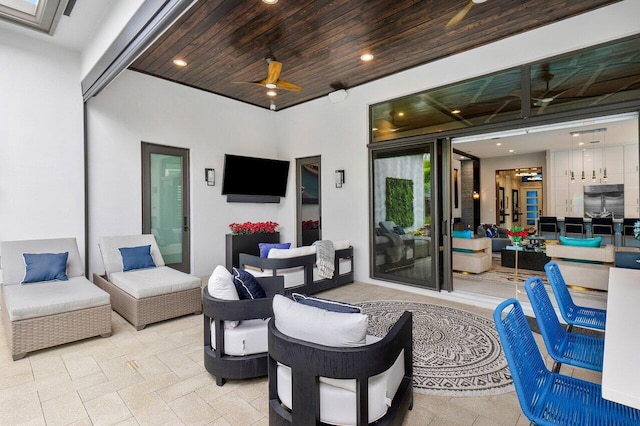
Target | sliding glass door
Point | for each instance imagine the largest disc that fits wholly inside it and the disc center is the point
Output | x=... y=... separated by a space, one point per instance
x=403 y=216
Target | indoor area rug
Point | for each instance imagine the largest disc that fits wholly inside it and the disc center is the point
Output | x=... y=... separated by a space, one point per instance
x=455 y=352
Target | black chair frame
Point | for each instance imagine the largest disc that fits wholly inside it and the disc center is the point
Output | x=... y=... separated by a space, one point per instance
x=548 y=224
x=217 y=311
x=574 y=225
x=309 y=361
x=602 y=226
x=307 y=262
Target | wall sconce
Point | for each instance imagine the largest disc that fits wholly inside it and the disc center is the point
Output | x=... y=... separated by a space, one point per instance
x=339 y=178
x=475 y=195
x=210 y=177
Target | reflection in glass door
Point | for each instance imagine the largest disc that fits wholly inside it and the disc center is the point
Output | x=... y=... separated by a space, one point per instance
x=165 y=192
x=308 y=211
x=402 y=205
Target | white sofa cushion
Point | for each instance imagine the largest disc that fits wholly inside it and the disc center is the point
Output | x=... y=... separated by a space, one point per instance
x=292 y=276
x=341 y=244
x=302 y=322
x=52 y=297
x=338 y=396
x=141 y=283
x=292 y=252
x=249 y=337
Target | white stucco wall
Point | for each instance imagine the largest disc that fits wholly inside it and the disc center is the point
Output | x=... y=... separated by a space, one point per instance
x=137 y=108
x=41 y=141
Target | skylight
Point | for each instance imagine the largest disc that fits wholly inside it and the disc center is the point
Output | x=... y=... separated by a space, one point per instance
x=40 y=15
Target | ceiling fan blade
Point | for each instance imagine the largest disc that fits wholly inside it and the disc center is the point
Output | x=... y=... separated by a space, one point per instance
x=285 y=85
x=460 y=15
x=274 y=72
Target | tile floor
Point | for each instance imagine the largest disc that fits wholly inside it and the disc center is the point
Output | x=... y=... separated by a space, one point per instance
x=156 y=376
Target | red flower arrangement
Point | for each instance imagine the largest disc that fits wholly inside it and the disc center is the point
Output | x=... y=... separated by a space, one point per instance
x=253 y=227
x=517 y=233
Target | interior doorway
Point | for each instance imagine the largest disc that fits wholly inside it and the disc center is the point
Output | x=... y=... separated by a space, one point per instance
x=308 y=200
x=165 y=202
x=519 y=201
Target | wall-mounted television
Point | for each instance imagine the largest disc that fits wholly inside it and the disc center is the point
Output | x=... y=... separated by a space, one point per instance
x=252 y=179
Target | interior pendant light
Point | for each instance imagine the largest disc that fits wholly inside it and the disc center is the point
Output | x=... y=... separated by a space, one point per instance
x=593 y=160
x=573 y=178
x=583 y=150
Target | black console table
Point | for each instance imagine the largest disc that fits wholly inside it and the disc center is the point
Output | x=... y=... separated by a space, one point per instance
x=527 y=259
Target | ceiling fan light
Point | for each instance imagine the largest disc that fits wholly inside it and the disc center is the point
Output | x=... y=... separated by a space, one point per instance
x=179 y=62
x=475 y=1
x=271 y=93
x=270 y=1
x=270 y=86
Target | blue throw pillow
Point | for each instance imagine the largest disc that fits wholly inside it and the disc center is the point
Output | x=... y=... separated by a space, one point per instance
x=461 y=234
x=265 y=247
x=489 y=232
x=45 y=267
x=247 y=285
x=327 y=305
x=580 y=242
x=136 y=258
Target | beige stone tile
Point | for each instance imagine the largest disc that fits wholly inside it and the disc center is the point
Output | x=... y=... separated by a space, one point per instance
x=107 y=409
x=82 y=422
x=55 y=386
x=221 y=421
x=82 y=366
x=16 y=373
x=148 y=386
x=128 y=422
x=180 y=364
x=236 y=410
x=23 y=409
x=419 y=416
x=92 y=392
x=64 y=410
x=192 y=384
x=193 y=410
x=48 y=365
x=149 y=367
x=211 y=392
x=150 y=409
x=502 y=414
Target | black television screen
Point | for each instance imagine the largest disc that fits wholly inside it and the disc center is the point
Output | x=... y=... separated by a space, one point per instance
x=254 y=176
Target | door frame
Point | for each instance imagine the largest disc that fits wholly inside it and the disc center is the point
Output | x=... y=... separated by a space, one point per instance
x=316 y=159
x=148 y=148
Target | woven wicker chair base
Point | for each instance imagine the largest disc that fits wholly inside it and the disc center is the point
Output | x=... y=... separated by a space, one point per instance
x=140 y=312
x=32 y=334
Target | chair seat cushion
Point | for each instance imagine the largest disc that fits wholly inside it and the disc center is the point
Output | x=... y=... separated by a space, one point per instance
x=52 y=297
x=338 y=396
x=249 y=337
x=143 y=283
x=295 y=276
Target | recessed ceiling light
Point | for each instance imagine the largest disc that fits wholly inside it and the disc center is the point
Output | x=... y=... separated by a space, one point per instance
x=366 y=57
x=375 y=129
x=401 y=114
x=270 y=1
x=270 y=86
x=580 y=143
x=498 y=143
x=511 y=150
x=474 y=1
x=180 y=62
x=456 y=111
x=272 y=93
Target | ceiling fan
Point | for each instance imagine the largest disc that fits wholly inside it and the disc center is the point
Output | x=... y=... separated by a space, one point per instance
x=272 y=80
x=463 y=12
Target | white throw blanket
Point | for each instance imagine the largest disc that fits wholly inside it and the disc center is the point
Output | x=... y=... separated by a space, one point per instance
x=325 y=255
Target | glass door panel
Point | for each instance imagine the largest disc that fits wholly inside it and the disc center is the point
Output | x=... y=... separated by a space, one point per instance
x=403 y=249
x=165 y=202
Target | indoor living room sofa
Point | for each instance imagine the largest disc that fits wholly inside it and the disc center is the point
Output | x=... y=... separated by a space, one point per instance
x=582 y=265
x=298 y=266
x=46 y=299
x=470 y=254
x=149 y=294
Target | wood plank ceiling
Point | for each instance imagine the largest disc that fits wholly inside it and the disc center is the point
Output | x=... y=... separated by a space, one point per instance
x=319 y=42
